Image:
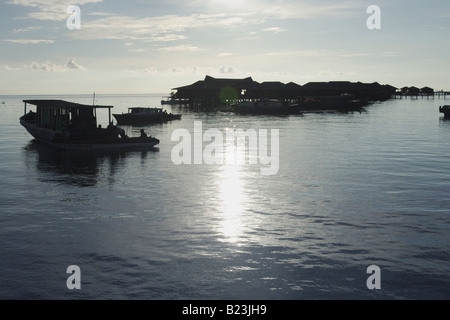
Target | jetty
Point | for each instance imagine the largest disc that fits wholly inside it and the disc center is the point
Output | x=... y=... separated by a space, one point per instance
x=416 y=93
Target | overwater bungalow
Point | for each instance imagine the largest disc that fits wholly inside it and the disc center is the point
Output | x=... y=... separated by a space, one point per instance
x=214 y=91
x=427 y=91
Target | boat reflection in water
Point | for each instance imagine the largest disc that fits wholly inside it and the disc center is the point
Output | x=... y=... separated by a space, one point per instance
x=77 y=167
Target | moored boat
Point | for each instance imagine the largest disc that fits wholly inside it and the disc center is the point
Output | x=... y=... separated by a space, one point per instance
x=68 y=125
x=264 y=106
x=342 y=103
x=168 y=100
x=139 y=115
x=445 y=110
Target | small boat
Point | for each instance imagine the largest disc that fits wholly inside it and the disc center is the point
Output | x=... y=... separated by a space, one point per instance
x=339 y=103
x=445 y=110
x=264 y=106
x=168 y=100
x=68 y=125
x=138 y=115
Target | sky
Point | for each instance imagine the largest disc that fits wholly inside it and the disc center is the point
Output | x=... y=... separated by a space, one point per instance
x=147 y=46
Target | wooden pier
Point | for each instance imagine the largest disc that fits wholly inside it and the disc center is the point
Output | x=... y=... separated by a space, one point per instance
x=435 y=95
x=416 y=93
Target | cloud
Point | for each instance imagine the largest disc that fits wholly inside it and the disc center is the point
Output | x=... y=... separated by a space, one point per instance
x=313 y=10
x=52 y=10
x=71 y=64
x=227 y=69
x=274 y=29
x=151 y=29
x=181 y=48
x=182 y=70
x=28 y=41
x=9 y=68
x=148 y=70
x=26 y=29
x=44 y=66
x=251 y=37
x=390 y=54
x=226 y=54
x=277 y=10
x=167 y=38
x=197 y=14
x=48 y=66
x=101 y=14
x=354 y=54
x=300 y=53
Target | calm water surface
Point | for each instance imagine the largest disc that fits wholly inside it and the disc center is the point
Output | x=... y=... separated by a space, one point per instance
x=352 y=190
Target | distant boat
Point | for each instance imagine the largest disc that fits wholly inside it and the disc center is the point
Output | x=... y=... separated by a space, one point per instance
x=138 y=115
x=68 y=125
x=3 y=102
x=445 y=110
x=168 y=100
x=344 y=102
x=264 y=106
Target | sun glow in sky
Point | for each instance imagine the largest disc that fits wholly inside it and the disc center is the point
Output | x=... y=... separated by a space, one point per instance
x=146 y=46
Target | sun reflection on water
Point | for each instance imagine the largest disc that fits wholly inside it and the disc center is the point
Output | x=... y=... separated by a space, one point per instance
x=231 y=196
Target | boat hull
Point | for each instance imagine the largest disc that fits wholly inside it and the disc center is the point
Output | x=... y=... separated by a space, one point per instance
x=263 y=107
x=331 y=103
x=123 y=146
x=131 y=119
x=316 y=104
x=106 y=142
x=41 y=134
x=446 y=111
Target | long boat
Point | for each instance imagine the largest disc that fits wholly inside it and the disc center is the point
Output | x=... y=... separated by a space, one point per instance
x=341 y=103
x=344 y=103
x=68 y=125
x=139 y=115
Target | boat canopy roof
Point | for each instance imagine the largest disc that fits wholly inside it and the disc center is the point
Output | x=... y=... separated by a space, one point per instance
x=63 y=104
x=143 y=108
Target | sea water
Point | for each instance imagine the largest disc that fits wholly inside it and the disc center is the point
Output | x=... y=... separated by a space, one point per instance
x=352 y=190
